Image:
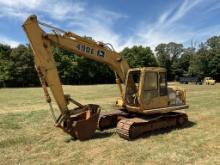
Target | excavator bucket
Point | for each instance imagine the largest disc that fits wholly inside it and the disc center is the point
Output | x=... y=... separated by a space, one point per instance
x=83 y=125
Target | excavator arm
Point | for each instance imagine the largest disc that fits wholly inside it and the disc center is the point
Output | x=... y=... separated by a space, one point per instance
x=42 y=44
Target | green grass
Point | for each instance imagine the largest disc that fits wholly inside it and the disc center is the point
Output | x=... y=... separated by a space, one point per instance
x=27 y=134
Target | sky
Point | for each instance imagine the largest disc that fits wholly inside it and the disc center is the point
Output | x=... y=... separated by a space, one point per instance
x=123 y=23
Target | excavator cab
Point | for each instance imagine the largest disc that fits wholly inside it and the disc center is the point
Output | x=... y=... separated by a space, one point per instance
x=146 y=88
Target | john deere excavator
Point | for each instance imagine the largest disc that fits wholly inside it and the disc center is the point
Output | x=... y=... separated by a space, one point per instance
x=146 y=102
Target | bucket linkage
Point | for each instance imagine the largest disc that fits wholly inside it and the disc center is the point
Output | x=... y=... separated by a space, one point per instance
x=80 y=122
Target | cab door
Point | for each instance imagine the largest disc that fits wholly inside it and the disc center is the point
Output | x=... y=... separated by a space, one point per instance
x=163 y=89
x=150 y=91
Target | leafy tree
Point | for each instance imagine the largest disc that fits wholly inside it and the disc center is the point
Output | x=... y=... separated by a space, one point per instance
x=79 y=70
x=92 y=72
x=139 y=56
x=180 y=66
x=162 y=56
x=17 y=65
x=21 y=67
x=206 y=61
x=213 y=44
x=168 y=55
x=66 y=65
x=200 y=61
x=5 y=51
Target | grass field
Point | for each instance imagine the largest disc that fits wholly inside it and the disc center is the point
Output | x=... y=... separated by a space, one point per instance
x=27 y=134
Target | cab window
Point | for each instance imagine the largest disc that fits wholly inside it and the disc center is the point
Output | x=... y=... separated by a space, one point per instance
x=150 y=81
x=163 y=84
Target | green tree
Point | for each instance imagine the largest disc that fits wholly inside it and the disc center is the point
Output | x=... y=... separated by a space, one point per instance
x=92 y=72
x=200 y=61
x=5 y=51
x=139 y=56
x=66 y=65
x=21 y=67
x=180 y=66
x=78 y=70
x=206 y=61
x=168 y=56
x=213 y=44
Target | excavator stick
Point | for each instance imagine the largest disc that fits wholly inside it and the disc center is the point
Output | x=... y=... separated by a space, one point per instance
x=80 y=122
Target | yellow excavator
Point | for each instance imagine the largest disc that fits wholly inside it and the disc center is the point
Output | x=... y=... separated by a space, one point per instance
x=146 y=102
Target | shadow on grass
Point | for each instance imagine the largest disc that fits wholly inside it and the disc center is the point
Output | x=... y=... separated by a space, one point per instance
x=103 y=134
x=97 y=135
x=167 y=130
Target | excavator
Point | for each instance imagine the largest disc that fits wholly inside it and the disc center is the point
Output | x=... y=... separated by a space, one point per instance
x=146 y=103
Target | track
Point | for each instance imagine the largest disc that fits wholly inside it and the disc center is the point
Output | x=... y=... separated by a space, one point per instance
x=110 y=119
x=132 y=128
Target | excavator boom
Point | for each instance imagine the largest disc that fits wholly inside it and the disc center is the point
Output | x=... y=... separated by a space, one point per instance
x=42 y=44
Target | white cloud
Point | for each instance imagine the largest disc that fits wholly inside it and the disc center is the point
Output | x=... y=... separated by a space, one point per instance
x=99 y=25
x=185 y=7
x=21 y=3
x=95 y=22
x=168 y=27
x=18 y=8
x=9 y=41
x=53 y=8
x=99 y=22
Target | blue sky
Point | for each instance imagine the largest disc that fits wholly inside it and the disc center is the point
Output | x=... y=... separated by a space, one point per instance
x=120 y=22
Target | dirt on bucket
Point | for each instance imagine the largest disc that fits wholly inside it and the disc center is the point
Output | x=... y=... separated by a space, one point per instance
x=83 y=125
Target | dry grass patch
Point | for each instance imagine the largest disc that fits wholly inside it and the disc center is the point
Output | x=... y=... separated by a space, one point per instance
x=28 y=136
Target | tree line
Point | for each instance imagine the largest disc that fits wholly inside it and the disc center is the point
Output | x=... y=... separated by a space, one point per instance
x=17 y=64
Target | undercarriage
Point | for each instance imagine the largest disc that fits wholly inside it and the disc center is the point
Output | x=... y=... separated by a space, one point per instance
x=131 y=125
